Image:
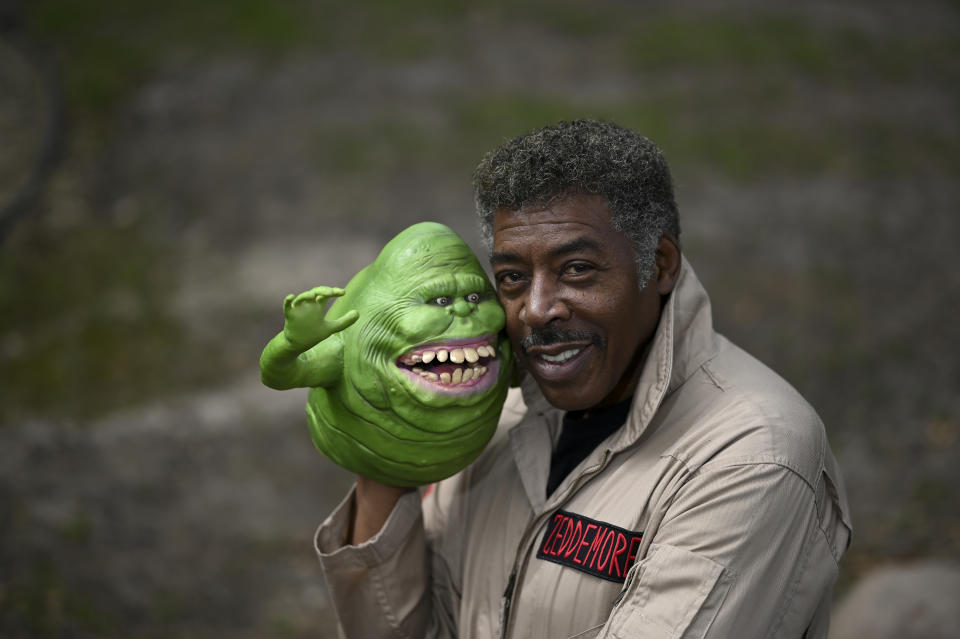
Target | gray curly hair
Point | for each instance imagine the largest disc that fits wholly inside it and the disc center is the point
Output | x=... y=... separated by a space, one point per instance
x=583 y=157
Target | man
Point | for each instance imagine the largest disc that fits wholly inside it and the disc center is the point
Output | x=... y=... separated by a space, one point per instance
x=649 y=479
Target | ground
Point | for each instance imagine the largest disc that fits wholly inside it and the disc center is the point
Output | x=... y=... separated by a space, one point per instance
x=218 y=158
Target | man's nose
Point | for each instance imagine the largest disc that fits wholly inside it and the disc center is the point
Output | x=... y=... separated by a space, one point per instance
x=543 y=304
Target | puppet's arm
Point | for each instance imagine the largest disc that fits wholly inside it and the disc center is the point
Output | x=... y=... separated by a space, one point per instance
x=304 y=353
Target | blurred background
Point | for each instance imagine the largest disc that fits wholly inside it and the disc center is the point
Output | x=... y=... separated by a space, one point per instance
x=170 y=170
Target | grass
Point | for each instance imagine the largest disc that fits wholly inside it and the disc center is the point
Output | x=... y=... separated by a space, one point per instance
x=749 y=42
x=109 y=47
x=106 y=48
x=753 y=143
x=88 y=324
x=45 y=606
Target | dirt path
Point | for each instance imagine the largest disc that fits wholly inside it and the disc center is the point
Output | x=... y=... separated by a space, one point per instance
x=193 y=514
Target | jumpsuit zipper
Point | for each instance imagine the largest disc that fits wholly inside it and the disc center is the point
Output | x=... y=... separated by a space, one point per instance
x=523 y=555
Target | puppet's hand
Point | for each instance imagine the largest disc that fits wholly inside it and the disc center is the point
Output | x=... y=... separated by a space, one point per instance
x=305 y=324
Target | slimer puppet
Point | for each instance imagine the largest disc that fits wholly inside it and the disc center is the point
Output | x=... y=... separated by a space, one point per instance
x=408 y=369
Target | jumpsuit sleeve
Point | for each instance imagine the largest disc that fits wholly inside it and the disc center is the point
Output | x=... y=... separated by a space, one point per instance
x=385 y=587
x=743 y=550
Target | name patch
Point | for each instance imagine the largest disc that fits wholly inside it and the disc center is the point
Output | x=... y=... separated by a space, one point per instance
x=590 y=546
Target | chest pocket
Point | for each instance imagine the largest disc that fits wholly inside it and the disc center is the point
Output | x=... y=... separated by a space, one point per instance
x=689 y=591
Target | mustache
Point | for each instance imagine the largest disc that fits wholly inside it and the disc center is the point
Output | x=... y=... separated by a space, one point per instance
x=549 y=335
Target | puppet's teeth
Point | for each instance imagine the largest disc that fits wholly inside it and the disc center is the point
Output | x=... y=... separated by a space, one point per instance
x=417 y=370
x=444 y=378
x=457 y=356
x=431 y=376
x=481 y=370
x=467 y=375
x=428 y=356
x=442 y=355
x=457 y=376
x=470 y=355
x=492 y=352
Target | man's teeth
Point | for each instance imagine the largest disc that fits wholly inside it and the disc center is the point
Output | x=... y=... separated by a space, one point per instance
x=560 y=357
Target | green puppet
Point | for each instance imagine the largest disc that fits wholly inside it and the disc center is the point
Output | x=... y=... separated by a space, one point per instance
x=408 y=369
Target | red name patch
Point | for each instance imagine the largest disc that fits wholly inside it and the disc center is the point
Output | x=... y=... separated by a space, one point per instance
x=590 y=546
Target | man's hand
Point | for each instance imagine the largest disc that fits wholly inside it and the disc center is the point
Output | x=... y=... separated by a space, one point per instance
x=305 y=324
x=373 y=503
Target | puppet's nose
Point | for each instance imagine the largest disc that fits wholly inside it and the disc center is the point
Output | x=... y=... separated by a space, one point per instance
x=463 y=308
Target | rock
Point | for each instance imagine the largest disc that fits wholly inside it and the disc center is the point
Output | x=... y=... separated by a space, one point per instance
x=907 y=601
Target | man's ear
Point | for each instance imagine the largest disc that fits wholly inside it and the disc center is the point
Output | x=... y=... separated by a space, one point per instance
x=668 y=264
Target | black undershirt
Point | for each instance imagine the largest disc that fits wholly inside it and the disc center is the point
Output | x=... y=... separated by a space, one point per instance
x=580 y=434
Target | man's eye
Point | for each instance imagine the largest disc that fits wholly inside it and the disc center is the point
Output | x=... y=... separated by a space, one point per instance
x=577 y=268
x=473 y=298
x=443 y=300
x=510 y=278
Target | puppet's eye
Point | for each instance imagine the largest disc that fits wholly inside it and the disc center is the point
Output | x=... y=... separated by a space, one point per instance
x=443 y=300
x=473 y=298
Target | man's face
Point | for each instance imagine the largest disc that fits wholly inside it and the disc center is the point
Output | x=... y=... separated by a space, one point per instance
x=576 y=315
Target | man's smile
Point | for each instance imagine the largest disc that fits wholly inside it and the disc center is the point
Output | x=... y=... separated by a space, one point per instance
x=561 y=357
x=560 y=362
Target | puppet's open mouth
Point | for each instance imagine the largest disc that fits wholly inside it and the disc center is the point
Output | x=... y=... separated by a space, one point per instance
x=466 y=365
